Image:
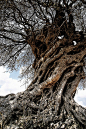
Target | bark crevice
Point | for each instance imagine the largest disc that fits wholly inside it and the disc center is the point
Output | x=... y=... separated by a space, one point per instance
x=48 y=101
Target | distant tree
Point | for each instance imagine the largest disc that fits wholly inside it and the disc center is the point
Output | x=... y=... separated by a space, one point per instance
x=39 y=35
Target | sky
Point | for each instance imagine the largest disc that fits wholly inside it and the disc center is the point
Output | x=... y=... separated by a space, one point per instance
x=9 y=83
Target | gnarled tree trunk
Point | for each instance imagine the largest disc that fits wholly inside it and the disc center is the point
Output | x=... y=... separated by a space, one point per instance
x=48 y=103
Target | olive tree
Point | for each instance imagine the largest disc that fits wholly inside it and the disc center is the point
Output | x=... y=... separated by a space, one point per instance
x=47 y=38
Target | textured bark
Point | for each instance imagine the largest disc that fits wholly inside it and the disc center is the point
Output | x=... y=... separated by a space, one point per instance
x=48 y=101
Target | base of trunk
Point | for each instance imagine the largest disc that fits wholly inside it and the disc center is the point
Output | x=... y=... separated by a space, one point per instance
x=17 y=112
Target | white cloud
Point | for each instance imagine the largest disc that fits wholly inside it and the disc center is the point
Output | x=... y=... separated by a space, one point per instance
x=7 y=84
x=80 y=97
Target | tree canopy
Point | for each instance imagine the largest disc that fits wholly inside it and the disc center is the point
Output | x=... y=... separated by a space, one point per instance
x=49 y=36
x=21 y=22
